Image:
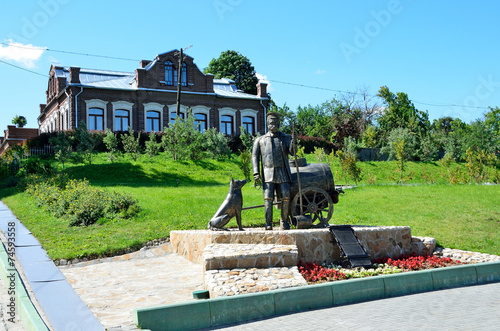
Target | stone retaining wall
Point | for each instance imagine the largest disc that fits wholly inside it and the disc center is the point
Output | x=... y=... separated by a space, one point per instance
x=313 y=244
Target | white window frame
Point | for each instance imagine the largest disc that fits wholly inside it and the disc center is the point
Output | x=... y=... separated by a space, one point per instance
x=250 y=113
x=63 y=110
x=153 y=106
x=97 y=103
x=203 y=110
x=230 y=112
x=123 y=105
x=173 y=109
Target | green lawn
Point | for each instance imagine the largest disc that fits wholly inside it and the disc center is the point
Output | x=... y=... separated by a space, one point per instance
x=458 y=216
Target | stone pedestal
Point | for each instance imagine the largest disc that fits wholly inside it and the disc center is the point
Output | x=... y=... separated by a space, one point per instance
x=312 y=244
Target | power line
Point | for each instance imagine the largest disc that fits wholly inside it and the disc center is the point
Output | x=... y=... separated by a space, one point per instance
x=350 y=92
x=18 y=67
x=69 y=52
x=270 y=80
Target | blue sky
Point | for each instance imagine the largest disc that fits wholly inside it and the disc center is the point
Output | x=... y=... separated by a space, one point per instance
x=443 y=54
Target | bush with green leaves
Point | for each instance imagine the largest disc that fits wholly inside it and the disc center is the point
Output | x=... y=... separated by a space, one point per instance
x=62 y=147
x=349 y=167
x=183 y=140
x=111 y=142
x=86 y=142
x=80 y=203
x=131 y=144
x=216 y=144
x=410 y=144
x=246 y=164
x=152 y=146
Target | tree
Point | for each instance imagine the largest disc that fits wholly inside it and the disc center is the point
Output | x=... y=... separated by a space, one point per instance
x=182 y=139
x=20 y=121
x=86 y=142
x=111 y=142
x=401 y=113
x=131 y=144
x=492 y=120
x=62 y=147
x=237 y=67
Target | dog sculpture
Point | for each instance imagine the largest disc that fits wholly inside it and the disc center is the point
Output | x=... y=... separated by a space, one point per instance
x=231 y=207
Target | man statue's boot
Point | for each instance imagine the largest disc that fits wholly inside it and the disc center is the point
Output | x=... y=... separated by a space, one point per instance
x=285 y=206
x=268 y=205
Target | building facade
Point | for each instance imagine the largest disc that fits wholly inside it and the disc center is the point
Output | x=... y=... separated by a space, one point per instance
x=146 y=100
x=15 y=136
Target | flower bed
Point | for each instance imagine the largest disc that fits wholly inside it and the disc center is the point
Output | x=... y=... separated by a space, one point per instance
x=315 y=273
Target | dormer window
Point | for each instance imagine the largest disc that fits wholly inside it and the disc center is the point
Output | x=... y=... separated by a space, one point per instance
x=169 y=73
x=184 y=75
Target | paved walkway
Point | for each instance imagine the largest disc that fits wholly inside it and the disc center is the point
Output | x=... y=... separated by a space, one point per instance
x=112 y=290
x=465 y=308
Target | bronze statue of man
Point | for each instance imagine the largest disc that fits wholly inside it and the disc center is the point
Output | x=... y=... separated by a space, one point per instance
x=270 y=166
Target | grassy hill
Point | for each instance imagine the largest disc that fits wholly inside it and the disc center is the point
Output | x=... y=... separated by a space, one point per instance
x=177 y=195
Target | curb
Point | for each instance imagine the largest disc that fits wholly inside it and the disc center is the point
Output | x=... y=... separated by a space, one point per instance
x=225 y=310
x=27 y=311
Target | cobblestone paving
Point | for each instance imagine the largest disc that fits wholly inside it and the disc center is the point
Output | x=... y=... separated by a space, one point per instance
x=464 y=308
x=112 y=290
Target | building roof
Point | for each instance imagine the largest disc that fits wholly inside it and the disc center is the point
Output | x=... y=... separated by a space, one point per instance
x=96 y=78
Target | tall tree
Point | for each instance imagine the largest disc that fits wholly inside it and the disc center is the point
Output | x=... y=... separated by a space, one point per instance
x=401 y=113
x=237 y=67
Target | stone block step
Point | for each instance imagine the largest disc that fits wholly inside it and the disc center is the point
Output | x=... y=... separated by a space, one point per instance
x=231 y=256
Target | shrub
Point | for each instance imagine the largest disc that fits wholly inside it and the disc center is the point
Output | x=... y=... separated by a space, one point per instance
x=348 y=164
x=152 y=146
x=131 y=144
x=216 y=144
x=86 y=142
x=111 y=142
x=62 y=147
x=80 y=203
x=182 y=140
x=246 y=164
x=309 y=143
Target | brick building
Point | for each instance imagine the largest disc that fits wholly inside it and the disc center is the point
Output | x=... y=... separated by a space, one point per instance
x=146 y=99
x=15 y=136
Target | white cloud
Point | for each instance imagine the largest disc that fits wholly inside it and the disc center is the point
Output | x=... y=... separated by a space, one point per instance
x=26 y=55
x=320 y=72
x=264 y=79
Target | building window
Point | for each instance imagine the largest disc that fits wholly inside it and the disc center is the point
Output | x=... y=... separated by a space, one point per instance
x=152 y=121
x=173 y=116
x=226 y=124
x=249 y=124
x=169 y=73
x=200 y=120
x=121 y=120
x=96 y=119
x=184 y=75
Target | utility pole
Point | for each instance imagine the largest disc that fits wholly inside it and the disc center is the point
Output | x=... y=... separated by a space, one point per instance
x=179 y=78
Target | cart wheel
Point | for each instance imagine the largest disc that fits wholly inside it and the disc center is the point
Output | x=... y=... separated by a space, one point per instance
x=316 y=203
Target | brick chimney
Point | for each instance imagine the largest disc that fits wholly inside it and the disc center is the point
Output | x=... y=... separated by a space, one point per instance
x=140 y=77
x=74 y=75
x=144 y=63
x=262 y=89
x=210 y=83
